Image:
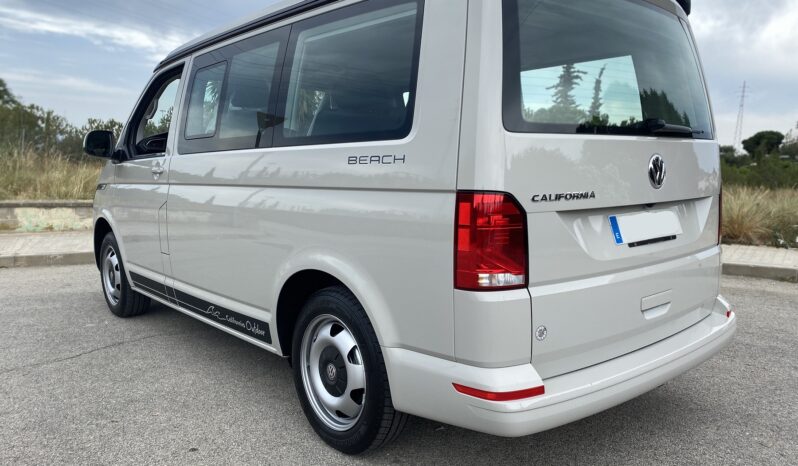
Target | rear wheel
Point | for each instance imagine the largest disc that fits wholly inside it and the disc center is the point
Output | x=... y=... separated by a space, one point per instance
x=121 y=299
x=340 y=374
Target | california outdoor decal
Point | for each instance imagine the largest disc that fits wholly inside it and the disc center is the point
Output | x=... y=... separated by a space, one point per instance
x=229 y=318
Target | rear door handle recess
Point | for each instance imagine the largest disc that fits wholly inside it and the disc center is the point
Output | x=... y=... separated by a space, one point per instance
x=656 y=305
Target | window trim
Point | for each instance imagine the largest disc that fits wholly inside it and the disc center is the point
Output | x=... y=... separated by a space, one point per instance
x=279 y=140
x=213 y=143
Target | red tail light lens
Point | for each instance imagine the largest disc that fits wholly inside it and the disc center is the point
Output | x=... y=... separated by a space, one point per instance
x=490 y=242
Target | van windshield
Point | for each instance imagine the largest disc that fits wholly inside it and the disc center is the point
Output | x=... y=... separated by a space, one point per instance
x=601 y=67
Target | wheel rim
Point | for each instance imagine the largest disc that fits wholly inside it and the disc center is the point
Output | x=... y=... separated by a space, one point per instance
x=112 y=276
x=333 y=372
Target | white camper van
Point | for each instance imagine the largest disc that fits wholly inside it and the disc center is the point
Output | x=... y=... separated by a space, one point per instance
x=501 y=215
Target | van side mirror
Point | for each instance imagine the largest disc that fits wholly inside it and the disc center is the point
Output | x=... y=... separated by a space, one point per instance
x=99 y=143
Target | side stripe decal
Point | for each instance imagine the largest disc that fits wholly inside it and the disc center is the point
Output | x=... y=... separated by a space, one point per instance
x=239 y=322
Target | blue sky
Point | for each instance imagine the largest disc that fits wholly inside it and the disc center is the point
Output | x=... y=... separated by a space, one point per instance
x=86 y=58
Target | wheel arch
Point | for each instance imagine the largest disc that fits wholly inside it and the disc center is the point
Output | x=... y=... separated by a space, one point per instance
x=104 y=224
x=101 y=228
x=315 y=272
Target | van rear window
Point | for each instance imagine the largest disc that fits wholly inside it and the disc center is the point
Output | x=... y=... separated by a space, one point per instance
x=601 y=67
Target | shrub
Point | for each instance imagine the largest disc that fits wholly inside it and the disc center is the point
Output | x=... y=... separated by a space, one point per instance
x=760 y=216
x=769 y=172
x=29 y=174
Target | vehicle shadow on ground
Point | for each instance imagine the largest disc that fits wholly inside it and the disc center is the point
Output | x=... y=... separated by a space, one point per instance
x=668 y=415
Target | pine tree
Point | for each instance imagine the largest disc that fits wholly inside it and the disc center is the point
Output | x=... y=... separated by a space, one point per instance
x=565 y=109
x=563 y=90
x=595 y=105
x=7 y=99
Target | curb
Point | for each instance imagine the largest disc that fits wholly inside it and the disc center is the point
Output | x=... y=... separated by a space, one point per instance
x=784 y=274
x=38 y=260
x=46 y=204
x=82 y=258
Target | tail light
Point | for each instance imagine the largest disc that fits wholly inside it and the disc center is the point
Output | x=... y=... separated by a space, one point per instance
x=490 y=242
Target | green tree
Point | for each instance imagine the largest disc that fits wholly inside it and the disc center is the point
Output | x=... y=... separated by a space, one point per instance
x=595 y=105
x=71 y=144
x=565 y=109
x=763 y=144
x=7 y=99
x=727 y=152
x=33 y=127
x=162 y=126
x=730 y=157
x=790 y=146
x=656 y=104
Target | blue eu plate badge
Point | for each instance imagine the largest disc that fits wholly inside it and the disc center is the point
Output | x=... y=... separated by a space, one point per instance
x=616 y=230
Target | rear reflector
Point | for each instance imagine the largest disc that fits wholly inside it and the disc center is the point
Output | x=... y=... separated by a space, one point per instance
x=500 y=396
x=490 y=242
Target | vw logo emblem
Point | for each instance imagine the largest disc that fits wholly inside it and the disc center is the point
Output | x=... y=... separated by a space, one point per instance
x=656 y=171
x=331 y=372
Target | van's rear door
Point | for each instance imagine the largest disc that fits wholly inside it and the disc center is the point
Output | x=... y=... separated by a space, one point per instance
x=609 y=147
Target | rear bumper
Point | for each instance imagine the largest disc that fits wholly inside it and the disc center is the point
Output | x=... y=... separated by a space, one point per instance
x=422 y=384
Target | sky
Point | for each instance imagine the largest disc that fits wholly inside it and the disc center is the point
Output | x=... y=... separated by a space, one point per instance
x=92 y=58
x=620 y=96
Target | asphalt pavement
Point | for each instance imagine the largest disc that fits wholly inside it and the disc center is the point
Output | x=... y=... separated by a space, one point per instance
x=78 y=385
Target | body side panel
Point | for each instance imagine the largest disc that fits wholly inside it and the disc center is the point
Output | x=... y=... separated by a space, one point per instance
x=240 y=222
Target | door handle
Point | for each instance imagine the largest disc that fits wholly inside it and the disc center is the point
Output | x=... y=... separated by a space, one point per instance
x=157 y=170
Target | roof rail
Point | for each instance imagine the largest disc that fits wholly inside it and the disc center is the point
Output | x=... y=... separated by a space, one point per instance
x=247 y=26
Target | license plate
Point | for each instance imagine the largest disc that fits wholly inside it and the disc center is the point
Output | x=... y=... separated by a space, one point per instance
x=643 y=226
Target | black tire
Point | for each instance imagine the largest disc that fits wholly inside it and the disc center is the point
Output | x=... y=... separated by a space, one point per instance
x=378 y=423
x=127 y=303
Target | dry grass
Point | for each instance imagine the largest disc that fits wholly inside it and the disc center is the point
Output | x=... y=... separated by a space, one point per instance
x=26 y=174
x=760 y=216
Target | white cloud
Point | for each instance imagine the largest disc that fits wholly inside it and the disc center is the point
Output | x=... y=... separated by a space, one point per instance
x=59 y=83
x=763 y=43
x=155 y=44
x=76 y=98
x=753 y=41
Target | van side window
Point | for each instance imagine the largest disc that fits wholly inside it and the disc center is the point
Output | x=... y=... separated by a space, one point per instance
x=246 y=104
x=149 y=128
x=234 y=95
x=352 y=74
x=203 y=106
x=158 y=120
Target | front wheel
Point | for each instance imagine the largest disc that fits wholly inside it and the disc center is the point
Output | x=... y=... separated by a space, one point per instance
x=122 y=300
x=340 y=374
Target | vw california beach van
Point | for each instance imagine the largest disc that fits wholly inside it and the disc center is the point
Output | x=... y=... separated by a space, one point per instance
x=500 y=215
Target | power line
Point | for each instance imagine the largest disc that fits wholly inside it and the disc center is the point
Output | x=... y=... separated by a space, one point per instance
x=738 y=131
